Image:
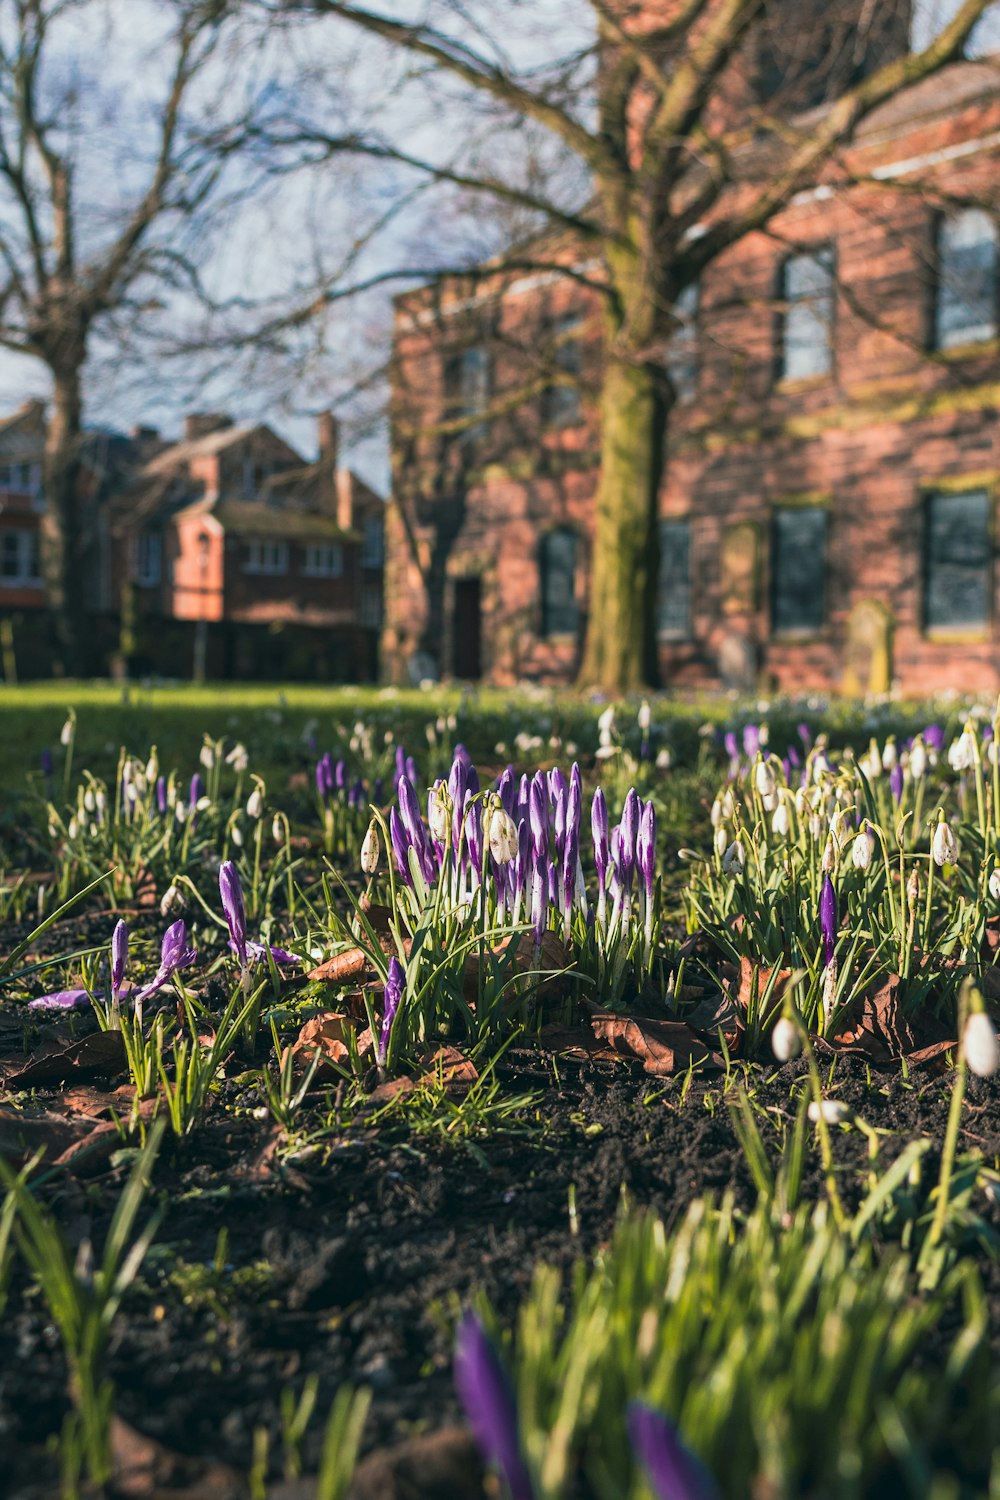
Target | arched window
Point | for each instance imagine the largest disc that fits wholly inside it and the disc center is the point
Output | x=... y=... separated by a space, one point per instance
x=560 y=612
x=682 y=351
x=807 y=296
x=965 y=305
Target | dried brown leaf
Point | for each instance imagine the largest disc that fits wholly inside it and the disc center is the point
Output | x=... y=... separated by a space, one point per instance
x=663 y=1047
x=102 y=1052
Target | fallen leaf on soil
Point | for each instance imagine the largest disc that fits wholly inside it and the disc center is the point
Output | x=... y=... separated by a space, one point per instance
x=324 y=1035
x=22 y=1135
x=752 y=988
x=447 y=1067
x=102 y=1052
x=145 y=1470
x=342 y=967
x=576 y=1044
x=437 y=1466
x=525 y=959
x=876 y=1027
x=663 y=1047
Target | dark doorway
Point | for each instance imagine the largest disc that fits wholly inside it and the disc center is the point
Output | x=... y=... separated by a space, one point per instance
x=467 y=628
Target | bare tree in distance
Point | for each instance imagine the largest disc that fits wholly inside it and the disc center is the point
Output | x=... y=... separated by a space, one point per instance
x=659 y=110
x=90 y=245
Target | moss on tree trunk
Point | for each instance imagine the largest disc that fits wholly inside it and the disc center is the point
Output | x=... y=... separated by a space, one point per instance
x=620 y=651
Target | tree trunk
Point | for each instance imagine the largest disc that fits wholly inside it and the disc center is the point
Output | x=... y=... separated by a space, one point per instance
x=60 y=524
x=621 y=651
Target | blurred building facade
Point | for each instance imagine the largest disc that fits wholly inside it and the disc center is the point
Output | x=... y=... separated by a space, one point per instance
x=833 y=454
x=225 y=554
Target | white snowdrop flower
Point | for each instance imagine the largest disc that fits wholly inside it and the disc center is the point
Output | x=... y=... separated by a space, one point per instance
x=716 y=812
x=875 y=761
x=918 y=760
x=816 y=826
x=800 y=801
x=644 y=717
x=53 y=831
x=979 y=1045
x=571 y=749
x=863 y=848
x=255 y=803
x=431 y=734
x=451 y=722
x=606 y=720
x=763 y=777
x=370 y=849
x=944 y=845
x=502 y=837
x=89 y=800
x=72 y=828
x=786 y=1042
x=829 y=859
x=734 y=860
x=763 y=733
x=238 y=758
x=500 y=749
x=439 y=813
x=664 y=759
x=278 y=829
x=236 y=834
x=100 y=802
x=605 y=752
x=180 y=811
x=994 y=883
x=890 y=755
x=832 y=1111
x=152 y=768
x=721 y=839
x=66 y=732
x=172 y=901
x=769 y=801
x=203 y=804
x=781 y=823
x=207 y=756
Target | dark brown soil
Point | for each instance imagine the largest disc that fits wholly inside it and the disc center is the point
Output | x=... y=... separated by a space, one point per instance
x=351 y=1260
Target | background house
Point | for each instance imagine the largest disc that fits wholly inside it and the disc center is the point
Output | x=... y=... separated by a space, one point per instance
x=827 y=515
x=224 y=554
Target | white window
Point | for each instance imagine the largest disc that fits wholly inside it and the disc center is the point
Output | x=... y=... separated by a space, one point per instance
x=968 y=285
x=19 y=558
x=148 y=555
x=21 y=478
x=371 y=608
x=807 y=291
x=324 y=560
x=371 y=543
x=266 y=557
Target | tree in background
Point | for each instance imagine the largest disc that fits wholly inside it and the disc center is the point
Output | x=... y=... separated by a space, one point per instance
x=658 y=112
x=111 y=159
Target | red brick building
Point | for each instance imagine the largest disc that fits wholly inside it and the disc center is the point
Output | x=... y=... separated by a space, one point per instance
x=226 y=554
x=828 y=510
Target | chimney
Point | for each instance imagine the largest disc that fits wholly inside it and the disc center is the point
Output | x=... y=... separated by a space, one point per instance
x=328 y=437
x=143 y=434
x=198 y=424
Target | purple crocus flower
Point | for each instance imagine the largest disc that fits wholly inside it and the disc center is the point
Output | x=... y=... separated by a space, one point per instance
x=231 y=891
x=538 y=817
x=257 y=951
x=46 y=760
x=400 y=841
x=507 y=792
x=896 y=782
x=934 y=737
x=458 y=785
x=487 y=1399
x=751 y=740
x=828 y=919
x=161 y=795
x=61 y=1000
x=629 y=833
x=731 y=745
x=474 y=832
x=395 y=983
x=340 y=776
x=400 y=762
x=377 y=790
x=805 y=735
x=645 y=848
x=461 y=753
x=175 y=953
x=197 y=791
x=321 y=779
x=409 y=810
x=672 y=1470
x=794 y=759
x=119 y=956
x=599 y=829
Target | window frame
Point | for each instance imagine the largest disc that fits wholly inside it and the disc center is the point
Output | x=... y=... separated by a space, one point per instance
x=671 y=633
x=546 y=607
x=783 y=375
x=804 y=629
x=372 y=542
x=315 y=565
x=562 y=404
x=961 y=629
x=265 y=558
x=145 y=574
x=27 y=548
x=953 y=347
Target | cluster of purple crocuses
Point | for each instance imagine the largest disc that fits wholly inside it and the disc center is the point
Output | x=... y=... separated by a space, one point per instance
x=176 y=953
x=332 y=785
x=234 y=910
x=540 y=869
x=488 y=1401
